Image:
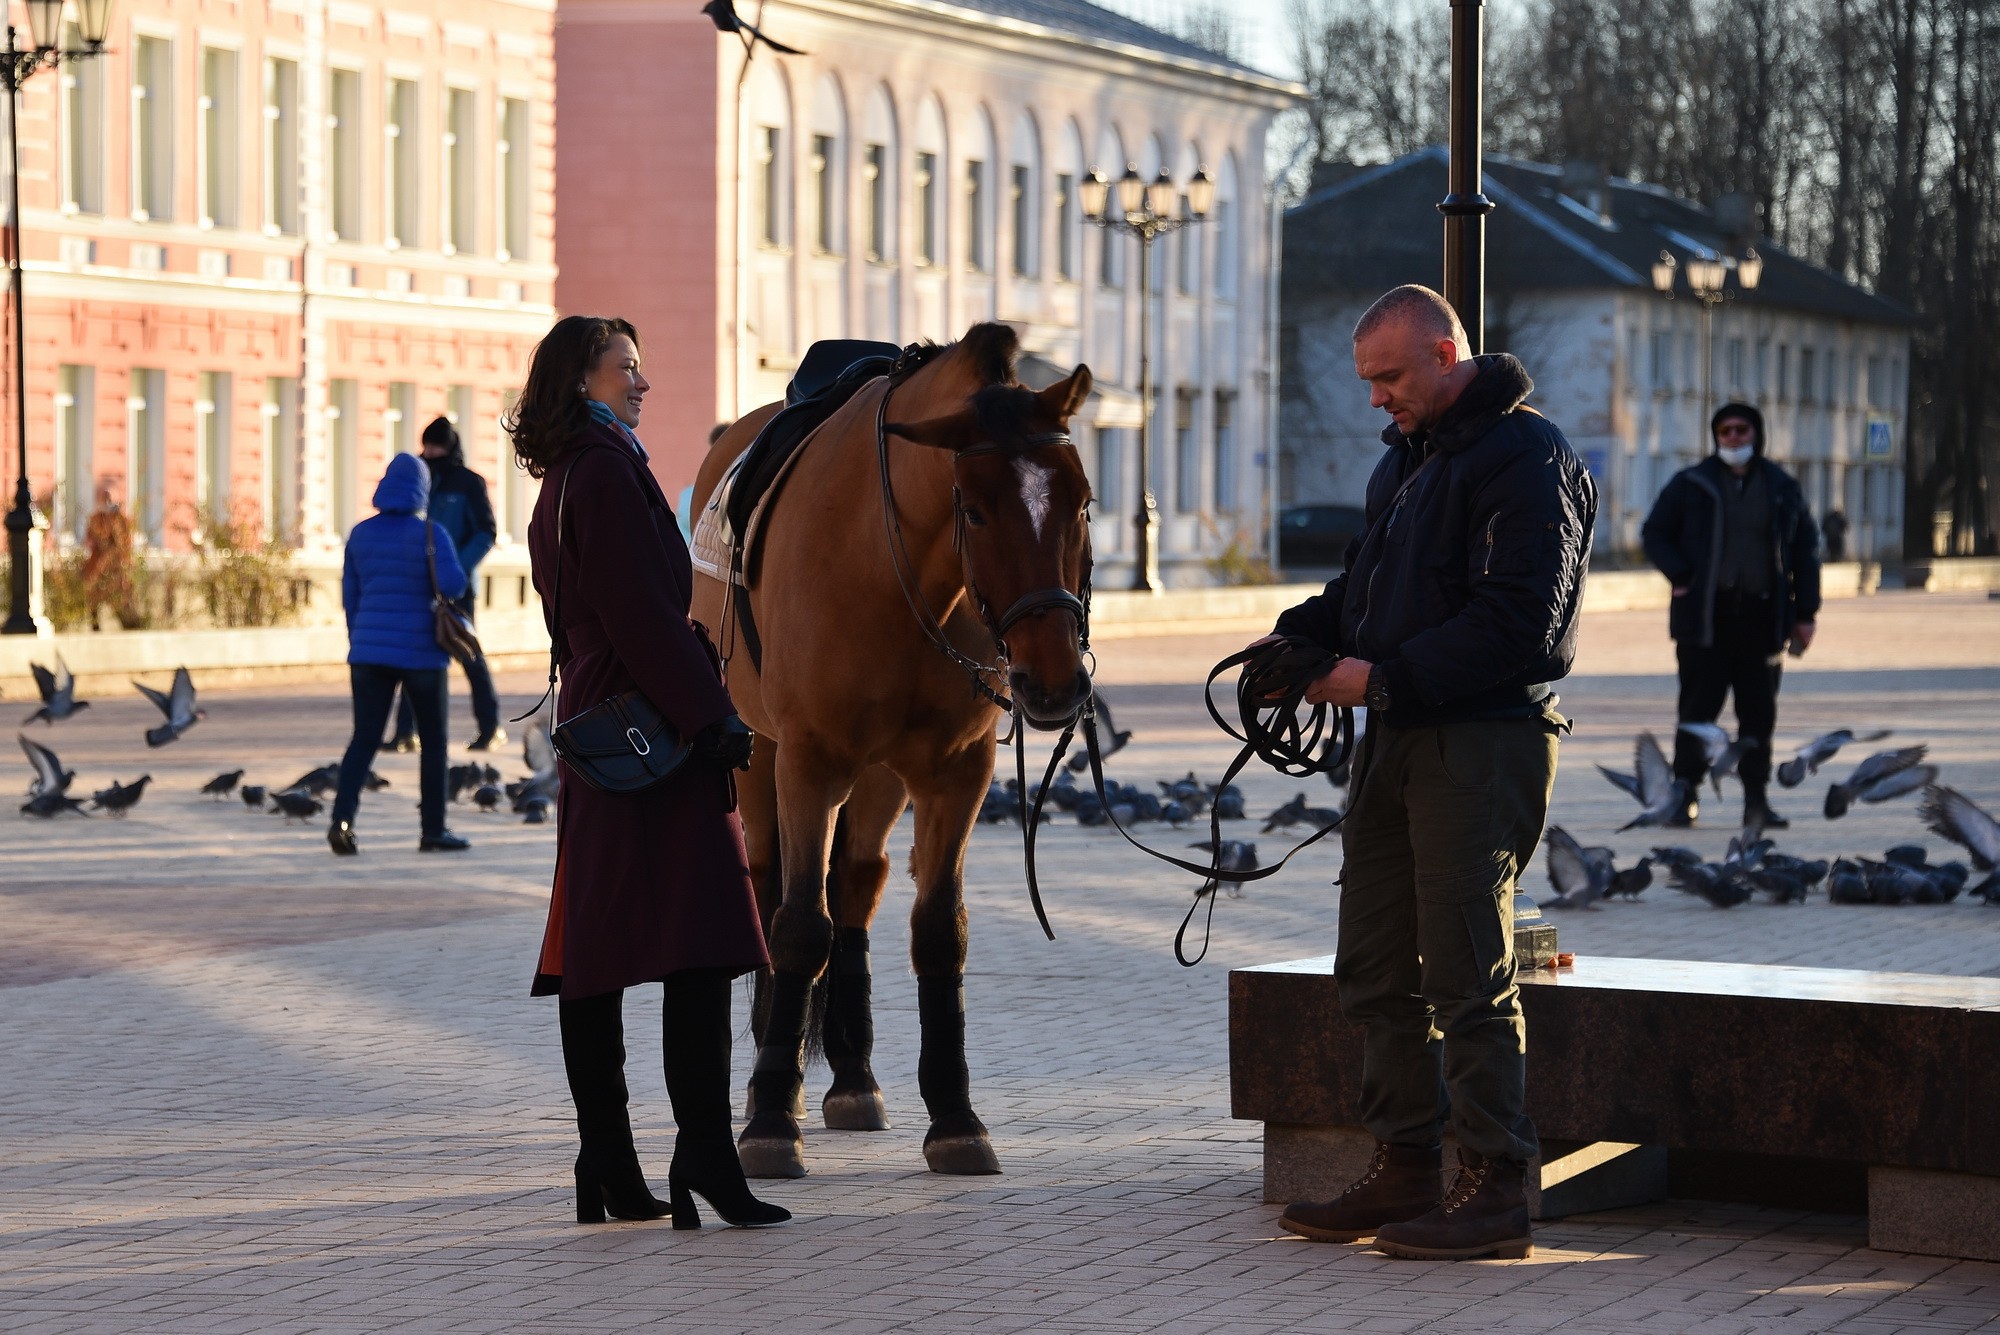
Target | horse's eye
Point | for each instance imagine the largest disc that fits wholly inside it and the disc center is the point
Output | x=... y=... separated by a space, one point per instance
x=975 y=516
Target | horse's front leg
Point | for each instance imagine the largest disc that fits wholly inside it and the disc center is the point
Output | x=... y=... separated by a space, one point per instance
x=947 y=805
x=860 y=872
x=809 y=787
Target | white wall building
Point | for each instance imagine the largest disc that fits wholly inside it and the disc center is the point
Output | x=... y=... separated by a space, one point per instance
x=1616 y=365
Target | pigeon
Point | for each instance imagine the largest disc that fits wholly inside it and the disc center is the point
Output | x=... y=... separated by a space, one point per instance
x=1952 y=815
x=1722 y=753
x=488 y=797
x=723 y=14
x=1723 y=887
x=1236 y=854
x=1987 y=890
x=491 y=775
x=1579 y=878
x=536 y=811
x=1228 y=802
x=58 y=691
x=50 y=776
x=1089 y=810
x=1817 y=752
x=319 y=782
x=177 y=704
x=120 y=798
x=1676 y=856
x=1812 y=873
x=1632 y=880
x=462 y=779
x=252 y=795
x=52 y=804
x=1661 y=797
x=1296 y=812
x=296 y=804
x=1175 y=813
x=1884 y=775
x=222 y=785
x=1847 y=884
x=1109 y=738
x=374 y=782
x=1188 y=792
x=1895 y=883
x=1782 y=886
x=1063 y=793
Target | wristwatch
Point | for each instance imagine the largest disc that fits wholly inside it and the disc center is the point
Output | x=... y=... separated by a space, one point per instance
x=1377 y=694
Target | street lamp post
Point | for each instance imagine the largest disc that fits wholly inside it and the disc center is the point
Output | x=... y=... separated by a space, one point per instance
x=43 y=52
x=1708 y=281
x=1145 y=211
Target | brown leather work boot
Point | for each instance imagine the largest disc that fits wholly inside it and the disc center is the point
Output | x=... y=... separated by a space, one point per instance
x=1402 y=1182
x=1484 y=1214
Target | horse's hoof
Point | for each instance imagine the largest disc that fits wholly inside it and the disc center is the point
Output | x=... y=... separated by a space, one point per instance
x=961 y=1156
x=798 y=1108
x=772 y=1157
x=854 y=1110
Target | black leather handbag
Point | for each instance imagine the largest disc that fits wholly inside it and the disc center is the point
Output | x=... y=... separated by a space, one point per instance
x=619 y=745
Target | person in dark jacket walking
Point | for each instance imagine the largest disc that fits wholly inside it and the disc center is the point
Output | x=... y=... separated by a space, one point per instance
x=651 y=886
x=385 y=587
x=1734 y=537
x=460 y=507
x=1457 y=609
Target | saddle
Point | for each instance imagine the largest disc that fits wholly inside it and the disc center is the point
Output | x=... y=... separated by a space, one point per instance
x=726 y=534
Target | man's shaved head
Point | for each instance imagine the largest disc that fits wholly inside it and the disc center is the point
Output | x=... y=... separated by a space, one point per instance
x=1424 y=311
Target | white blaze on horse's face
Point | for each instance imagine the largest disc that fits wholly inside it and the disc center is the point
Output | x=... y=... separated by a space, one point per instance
x=1035 y=492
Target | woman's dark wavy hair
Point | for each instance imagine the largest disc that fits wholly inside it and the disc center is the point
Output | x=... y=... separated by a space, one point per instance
x=550 y=415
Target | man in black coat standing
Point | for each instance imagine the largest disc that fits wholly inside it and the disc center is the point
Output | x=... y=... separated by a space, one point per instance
x=1734 y=537
x=1457 y=609
x=460 y=507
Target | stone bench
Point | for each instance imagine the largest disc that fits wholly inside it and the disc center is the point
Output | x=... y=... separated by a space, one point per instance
x=1828 y=1089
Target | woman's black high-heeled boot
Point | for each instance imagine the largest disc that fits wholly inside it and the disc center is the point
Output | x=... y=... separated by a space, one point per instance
x=695 y=1041
x=608 y=1176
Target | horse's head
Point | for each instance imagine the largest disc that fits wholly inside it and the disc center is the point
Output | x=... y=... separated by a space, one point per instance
x=1023 y=529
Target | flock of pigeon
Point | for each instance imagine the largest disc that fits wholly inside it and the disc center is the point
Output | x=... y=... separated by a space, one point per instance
x=1583 y=877
x=531 y=797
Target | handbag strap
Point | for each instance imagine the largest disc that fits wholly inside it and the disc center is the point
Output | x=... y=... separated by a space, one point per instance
x=555 y=616
x=430 y=558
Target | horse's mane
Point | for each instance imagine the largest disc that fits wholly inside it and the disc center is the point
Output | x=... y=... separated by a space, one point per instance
x=991 y=348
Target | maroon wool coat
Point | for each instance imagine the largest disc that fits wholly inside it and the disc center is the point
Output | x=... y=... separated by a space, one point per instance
x=652 y=882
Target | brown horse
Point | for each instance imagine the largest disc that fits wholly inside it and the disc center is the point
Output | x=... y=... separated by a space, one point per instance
x=858 y=711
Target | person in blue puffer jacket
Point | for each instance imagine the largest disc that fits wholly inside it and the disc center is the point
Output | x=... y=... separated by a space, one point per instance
x=385 y=586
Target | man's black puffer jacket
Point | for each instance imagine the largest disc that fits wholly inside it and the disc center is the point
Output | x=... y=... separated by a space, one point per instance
x=1466 y=582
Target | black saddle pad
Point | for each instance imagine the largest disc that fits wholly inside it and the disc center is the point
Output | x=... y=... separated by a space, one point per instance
x=828 y=375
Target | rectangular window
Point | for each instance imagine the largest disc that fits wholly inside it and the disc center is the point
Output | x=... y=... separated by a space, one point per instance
x=1107 y=483
x=153 y=129
x=1187 y=257
x=1225 y=450
x=281 y=147
x=459 y=406
x=281 y=459
x=1784 y=371
x=146 y=454
x=1806 y=375
x=400 y=418
x=927 y=208
x=766 y=181
x=822 y=167
x=1763 y=368
x=343 y=154
x=83 y=129
x=211 y=447
x=1066 y=227
x=461 y=190
x=1735 y=366
x=1187 y=457
x=343 y=412
x=512 y=161
x=1111 y=259
x=1663 y=357
x=220 y=185
x=1690 y=375
x=515 y=503
x=1878 y=388
x=875 y=172
x=76 y=415
x=1023 y=202
x=1225 y=250
x=400 y=141
x=975 y=215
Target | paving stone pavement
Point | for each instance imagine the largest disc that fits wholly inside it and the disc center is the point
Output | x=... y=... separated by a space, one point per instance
x=253 y=1088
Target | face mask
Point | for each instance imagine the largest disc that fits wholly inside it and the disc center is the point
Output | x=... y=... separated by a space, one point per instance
x=1736 y=455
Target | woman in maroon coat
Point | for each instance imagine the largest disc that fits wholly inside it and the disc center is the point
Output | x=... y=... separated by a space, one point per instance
x=654 y=886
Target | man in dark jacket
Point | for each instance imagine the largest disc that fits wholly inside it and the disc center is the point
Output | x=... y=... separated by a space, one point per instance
x=1734 y=537
x=1457 y=609
x=459 y=506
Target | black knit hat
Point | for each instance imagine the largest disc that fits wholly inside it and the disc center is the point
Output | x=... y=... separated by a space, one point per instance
x=442 y=432
x=1743 y=412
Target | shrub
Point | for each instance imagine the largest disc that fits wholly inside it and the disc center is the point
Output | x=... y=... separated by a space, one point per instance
x=243 y=578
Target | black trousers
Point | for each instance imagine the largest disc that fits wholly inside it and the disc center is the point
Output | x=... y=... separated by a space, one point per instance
x=1741 y=663
x=374 y=693
x=485 y=703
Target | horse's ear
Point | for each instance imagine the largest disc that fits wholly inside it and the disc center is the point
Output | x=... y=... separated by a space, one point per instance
x=1062 y=399
x=941 y=433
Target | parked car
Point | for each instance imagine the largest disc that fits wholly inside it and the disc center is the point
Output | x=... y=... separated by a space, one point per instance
x=1317 y=535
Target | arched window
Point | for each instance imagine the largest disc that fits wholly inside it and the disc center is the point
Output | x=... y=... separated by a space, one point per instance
x=1024 y=189
x=927 y=184
x=1067 y=205
x=879 y=159
x=1149 y=167
x=827 y=167
x=1111 y=161
x=1227 y=225
x=767 y=157
x=980 y=213
x=1188 y=241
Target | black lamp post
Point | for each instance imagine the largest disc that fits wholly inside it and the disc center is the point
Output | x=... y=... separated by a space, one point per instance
x=1465 y=205
x=43 y=52
x=1708 y=281
x=1146 y=211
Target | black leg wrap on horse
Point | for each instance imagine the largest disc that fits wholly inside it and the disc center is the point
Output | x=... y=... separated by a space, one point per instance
x=772 y=1145
x=942 y=1076
x=849 y=1037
